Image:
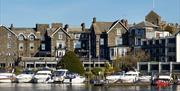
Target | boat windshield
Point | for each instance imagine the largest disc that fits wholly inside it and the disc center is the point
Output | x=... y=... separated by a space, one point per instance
x=58 y=73
x=42 y=74
x=131 y=74
x=118 y=73
x=27 y=72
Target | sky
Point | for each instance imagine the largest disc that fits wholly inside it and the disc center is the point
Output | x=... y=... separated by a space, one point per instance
x=27 y=13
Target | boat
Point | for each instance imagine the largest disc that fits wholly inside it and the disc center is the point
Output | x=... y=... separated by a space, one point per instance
x=114 y=77
x=42 y=76
x=144 y=78
x=130 y=77
x=58 y=75
x=25 y=77
x=6 y=77
x=162 y=80
x=73 y=78
x=64 y=76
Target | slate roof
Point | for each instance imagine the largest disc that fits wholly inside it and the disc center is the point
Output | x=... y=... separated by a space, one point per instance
x=100 y=27
x=153 y=13
x=26 y=32
x=144 y=24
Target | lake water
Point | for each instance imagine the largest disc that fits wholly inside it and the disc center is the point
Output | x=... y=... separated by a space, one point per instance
x=80 y=87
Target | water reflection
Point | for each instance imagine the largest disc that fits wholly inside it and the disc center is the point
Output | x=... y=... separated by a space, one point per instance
x=79 y=87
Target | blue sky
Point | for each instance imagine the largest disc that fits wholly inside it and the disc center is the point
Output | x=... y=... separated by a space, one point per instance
x=26 y=13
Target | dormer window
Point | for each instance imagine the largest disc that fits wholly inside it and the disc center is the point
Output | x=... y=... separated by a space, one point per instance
x=31 y=37
x=21 y=37
x=77 y=36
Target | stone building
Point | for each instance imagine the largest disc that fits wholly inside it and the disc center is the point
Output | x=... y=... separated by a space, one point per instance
x=8 y=47
x=109 y=39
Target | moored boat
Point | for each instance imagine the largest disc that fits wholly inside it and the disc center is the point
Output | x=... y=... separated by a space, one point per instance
x=130 y=77
x=162 y=80
x=42 y=76
x=7 y=77
x=115 y=77
x=73 y=78
x=25 y=76
x=58 y=75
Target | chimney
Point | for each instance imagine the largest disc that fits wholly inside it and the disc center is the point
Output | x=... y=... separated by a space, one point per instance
x=124 y=22
x=66 y=27
x=56 y=25
x=94 y=19
x=41 y=27
x=11 y=27
x=83 y=26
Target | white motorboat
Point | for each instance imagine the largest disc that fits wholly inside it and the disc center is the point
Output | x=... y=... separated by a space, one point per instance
x=64 y=76
x=74 y=78
x=59 y=75
x=7 y=77
x=130 y=77
x=145 y=78
x=42 y=76
x=25 y=76
x=115 y=77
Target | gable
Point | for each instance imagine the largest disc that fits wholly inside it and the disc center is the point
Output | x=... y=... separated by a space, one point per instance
x=118 y=24
x=7 y=29
x=60 y=29
x=152 y=14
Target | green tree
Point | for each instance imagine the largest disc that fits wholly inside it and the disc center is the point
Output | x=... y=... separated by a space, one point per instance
x=71 y=62
x=129 y=61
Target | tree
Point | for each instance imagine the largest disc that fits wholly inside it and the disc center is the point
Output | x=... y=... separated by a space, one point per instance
x=170 y=29
x=71 y=62
x=129 y=61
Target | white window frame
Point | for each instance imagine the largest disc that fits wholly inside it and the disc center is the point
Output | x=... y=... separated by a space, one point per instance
x=9 y=45
x=118 y=31
x=21 y=46
x=31 y=37
x=101 y=41
x=43 y=46
x=60 y=35
x=9 y=35
x=21 y=37
x=77 y=36
x=31 y=45
x=119 y=41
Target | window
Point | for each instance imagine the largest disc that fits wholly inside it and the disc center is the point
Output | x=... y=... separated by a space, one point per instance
x=77 y=36
x=118 y=31
x=171 y=40
x=31 y=45
x=77 y=44
x=119 y=41
x=21 y=37
x=21 y=46
x=101 y=41
x=144 y=43
x=31 y=37
x=60 y=35
x=112 y=52
x=60 y=45
x=43 y=47
x=9 y=35
x=83 y=45
x=8 y=45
